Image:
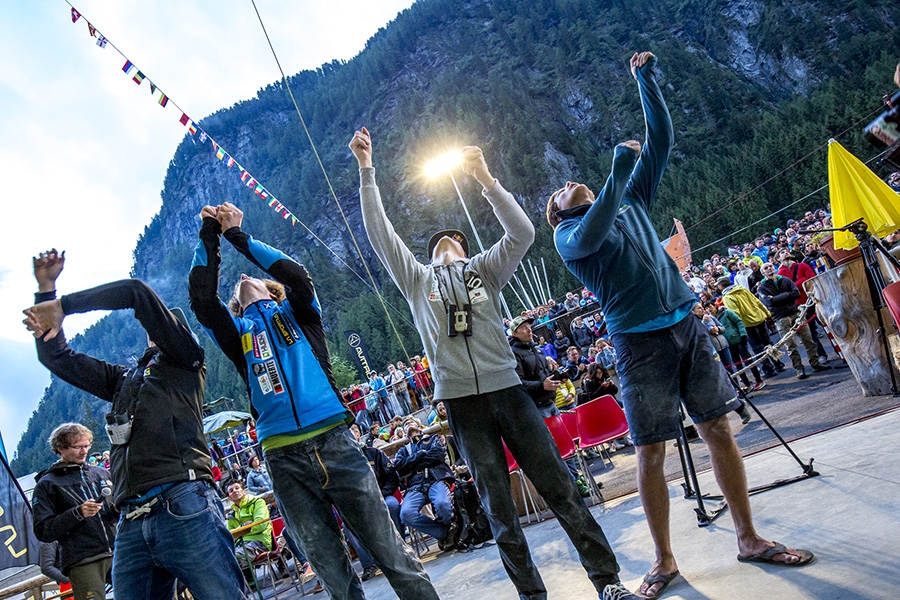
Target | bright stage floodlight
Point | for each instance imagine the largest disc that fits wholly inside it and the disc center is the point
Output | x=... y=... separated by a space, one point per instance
x=443 y=164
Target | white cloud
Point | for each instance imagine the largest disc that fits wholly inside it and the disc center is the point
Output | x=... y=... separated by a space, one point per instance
x=85 y=150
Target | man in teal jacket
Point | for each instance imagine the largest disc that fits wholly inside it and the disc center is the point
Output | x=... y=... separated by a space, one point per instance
x=609 y=243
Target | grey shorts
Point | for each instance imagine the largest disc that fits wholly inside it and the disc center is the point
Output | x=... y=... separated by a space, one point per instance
x=658 y=369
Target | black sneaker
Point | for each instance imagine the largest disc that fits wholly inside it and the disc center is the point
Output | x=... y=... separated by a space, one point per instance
x=451 y=539
x=368 y=573
x=820 y=368
x=802 y=374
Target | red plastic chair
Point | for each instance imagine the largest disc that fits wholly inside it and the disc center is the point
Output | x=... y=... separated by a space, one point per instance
x=561 y=436
x=891 y=295
x=600 y=421
x=527 y=497
x=571 y=421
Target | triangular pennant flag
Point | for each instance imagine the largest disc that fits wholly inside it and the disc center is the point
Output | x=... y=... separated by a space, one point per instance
x=92 y=30
x=215 y=145
x=152 y=87
x=294 y=220
x=75 y=14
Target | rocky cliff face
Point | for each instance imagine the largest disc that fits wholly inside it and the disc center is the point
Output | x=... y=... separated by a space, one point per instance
x=543 y=87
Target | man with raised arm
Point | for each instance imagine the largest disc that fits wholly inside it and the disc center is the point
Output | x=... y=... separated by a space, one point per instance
x=171 y=524
x=455 y=303
x=272 y=332
x=665 y=357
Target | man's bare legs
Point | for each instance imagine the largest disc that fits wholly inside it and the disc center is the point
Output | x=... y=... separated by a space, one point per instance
x=728 y=467
x=655 y=500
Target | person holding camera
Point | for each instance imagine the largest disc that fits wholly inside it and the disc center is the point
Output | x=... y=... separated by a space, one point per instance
x=455 y=303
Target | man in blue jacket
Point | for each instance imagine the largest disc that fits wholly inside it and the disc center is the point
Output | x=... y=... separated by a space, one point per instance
x=609 y=243
x=272 y=332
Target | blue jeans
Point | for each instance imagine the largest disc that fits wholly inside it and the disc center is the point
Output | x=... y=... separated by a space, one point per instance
x=439 y=497
x=393 y=506
x=480 y=424
x=365 y=559
x=308 y=478
x=184 y=537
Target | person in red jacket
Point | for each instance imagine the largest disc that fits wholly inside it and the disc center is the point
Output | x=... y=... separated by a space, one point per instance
x=798 y=272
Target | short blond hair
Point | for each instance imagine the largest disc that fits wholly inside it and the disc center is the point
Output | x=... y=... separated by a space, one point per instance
x=67 y=434
x=275 y=288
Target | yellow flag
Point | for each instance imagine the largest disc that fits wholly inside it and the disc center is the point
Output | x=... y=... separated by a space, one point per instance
x=856 y=192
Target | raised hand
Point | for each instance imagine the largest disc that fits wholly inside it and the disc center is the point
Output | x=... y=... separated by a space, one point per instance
x=473 y=164
x=361 y=147
x=44 y=320
x=633 y=144
x=639 y=60
x=229 y=216
x=208 y=211
x=47 y=267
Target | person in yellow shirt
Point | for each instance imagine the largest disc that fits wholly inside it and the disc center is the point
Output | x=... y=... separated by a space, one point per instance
x=248 y=509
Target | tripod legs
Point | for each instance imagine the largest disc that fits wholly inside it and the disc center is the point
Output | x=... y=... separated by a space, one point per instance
x=691 y=485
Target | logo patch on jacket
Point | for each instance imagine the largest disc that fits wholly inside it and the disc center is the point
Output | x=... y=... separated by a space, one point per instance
x=268 y=377
x=283 y=329
x=262 y=349
x=475 y=287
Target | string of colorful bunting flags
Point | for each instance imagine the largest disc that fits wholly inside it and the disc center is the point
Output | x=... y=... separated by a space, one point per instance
x=193 y=128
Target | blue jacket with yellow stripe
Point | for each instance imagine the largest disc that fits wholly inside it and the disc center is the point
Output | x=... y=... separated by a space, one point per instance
x=278 y=348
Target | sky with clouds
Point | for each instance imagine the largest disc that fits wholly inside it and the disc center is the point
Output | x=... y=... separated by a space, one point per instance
x=85 y=150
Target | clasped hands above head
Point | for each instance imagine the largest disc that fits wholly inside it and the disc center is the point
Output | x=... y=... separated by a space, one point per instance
x=227 y=214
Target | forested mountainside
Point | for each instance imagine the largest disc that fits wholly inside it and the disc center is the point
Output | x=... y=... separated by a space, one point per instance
x=543 y=87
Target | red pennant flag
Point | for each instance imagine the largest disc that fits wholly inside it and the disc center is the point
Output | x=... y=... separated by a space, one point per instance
x=75 y=14
x=184 y=119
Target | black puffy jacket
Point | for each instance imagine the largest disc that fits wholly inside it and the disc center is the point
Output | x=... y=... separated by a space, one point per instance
x=59 y=492
x=780 y=296
x=161 y=395
x=532 y=369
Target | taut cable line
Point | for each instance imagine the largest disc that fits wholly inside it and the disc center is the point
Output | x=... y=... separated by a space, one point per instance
x=312 y=144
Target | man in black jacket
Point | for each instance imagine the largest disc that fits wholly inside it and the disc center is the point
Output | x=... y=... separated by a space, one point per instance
x=70 y=508
x=426 y=476
x=779 y=294
x=172 y=521
x=532 y=367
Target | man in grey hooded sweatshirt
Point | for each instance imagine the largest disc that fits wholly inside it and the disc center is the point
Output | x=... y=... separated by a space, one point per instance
x=455 y=303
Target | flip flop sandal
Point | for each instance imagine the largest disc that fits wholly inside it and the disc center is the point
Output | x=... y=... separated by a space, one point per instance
x=768 y=556
x=664 y=579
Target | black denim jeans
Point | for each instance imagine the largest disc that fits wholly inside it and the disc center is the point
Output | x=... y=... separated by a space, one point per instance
x=480 y=424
